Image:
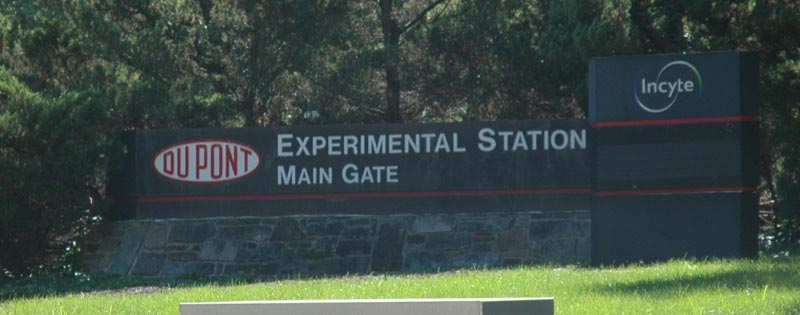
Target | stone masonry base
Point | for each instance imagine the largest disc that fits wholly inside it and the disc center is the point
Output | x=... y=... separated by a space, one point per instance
x=336 y=244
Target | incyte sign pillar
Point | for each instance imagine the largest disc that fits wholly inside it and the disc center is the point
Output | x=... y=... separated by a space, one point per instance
x=676 y=154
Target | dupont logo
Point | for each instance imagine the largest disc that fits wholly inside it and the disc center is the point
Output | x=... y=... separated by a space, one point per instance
x=206 y=161
x=677 y=79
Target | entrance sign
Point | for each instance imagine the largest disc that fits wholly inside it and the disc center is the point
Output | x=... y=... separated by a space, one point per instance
x=666 y=162
x=510 y=165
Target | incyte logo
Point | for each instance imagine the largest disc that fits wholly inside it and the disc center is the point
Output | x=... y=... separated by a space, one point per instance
x=675 y=78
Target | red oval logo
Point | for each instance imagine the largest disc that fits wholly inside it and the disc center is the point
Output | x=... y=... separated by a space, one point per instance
x=206 y=161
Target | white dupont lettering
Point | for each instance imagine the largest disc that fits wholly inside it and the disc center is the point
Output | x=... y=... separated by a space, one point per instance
x=206 y=161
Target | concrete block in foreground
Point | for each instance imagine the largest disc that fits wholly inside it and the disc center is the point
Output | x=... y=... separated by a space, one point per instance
x=493 y=306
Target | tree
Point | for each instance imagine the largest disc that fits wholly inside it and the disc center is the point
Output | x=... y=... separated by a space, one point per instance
x=517 y=59
x=393 y=29
x=233 y=53
x=57 y=133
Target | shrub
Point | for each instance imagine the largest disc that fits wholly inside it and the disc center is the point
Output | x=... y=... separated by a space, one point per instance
x=53 y=155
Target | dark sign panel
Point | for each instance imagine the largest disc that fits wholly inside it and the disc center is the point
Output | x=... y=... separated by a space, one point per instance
x=660 y=227
x=676 y=156
x=312 y=169
x=676 y=153
x=673 y=86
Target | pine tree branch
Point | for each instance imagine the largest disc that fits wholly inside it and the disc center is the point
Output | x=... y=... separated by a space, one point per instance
x=416 y=21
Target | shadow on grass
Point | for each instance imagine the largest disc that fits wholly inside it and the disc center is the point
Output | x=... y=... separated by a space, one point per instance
x=51 y=286
x=760 y=275
x=47 y=286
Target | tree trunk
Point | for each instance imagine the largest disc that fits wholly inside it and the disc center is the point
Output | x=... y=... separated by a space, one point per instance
x=391 y=43
x=253 y=76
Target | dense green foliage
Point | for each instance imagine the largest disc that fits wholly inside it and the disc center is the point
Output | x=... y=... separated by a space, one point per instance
x=75 y=73
x=764 y=286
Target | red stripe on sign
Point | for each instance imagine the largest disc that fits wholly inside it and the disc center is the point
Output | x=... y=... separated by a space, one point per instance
x=447 y=193
x=673 y=121
x=672 y=191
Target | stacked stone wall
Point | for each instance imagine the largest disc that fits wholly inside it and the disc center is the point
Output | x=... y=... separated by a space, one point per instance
x=338 y=244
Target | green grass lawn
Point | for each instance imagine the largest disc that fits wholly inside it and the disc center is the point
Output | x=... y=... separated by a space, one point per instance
x=764 y=286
